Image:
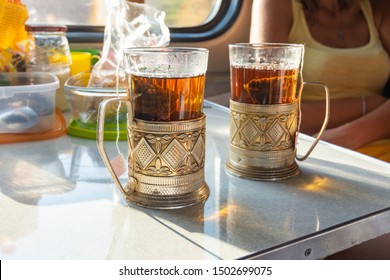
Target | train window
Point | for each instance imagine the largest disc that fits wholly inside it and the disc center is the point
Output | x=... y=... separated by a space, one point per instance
x=188 y=20
x=179 y=13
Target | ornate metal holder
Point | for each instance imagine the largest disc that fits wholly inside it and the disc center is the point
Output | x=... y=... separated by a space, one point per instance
x=262 y=141
x=166 y=163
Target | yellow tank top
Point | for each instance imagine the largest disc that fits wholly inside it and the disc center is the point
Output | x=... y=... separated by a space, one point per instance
x=349 y=72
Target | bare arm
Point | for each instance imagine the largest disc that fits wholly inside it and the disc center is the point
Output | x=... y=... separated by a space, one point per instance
x=341 y=112
x=355 y=134
x=271 y=21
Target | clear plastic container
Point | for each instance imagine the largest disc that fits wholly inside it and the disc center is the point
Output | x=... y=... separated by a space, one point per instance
x=84 y=104
x=47 y=49
x=27 y=101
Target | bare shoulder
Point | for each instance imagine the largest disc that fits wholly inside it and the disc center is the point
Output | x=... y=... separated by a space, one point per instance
x=381 y=9
x=380 y=3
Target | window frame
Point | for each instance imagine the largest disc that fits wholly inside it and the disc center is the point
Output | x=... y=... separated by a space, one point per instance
x=223 y=20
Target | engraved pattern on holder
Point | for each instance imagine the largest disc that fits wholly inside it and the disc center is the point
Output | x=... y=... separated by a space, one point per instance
x=168 y=157
x=262 y=140
x=263 y=127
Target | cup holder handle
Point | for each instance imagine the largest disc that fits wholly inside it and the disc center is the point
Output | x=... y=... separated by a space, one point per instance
x=102 y=150
x=326 y=118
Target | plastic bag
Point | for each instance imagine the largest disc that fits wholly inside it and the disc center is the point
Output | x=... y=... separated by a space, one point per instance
x=128 y=24
x=13 y=15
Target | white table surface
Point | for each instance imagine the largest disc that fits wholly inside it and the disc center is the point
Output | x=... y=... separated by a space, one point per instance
x=58 y=201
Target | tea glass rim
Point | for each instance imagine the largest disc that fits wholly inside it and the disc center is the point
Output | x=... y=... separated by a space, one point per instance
x=265 y=45
x=166 y=62
x=167 y=50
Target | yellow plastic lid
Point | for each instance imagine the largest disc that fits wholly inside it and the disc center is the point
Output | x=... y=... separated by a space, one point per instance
x=81 y=62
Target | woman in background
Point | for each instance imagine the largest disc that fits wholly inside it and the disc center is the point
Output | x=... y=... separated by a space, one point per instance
x=347 y=47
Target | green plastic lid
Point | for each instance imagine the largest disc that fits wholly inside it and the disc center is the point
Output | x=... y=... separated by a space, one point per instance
x=89 y=131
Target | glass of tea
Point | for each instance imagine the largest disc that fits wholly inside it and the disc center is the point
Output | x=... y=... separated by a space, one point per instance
x=266 y=85
x=166 y=84
x=166 y=127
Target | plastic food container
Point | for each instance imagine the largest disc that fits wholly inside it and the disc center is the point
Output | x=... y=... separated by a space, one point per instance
x=84 y=103
x=27 y=101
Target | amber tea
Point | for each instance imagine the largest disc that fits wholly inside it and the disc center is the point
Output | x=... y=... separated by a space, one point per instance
x=167 y=99
x=263 y=86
